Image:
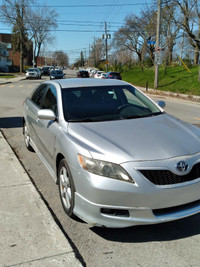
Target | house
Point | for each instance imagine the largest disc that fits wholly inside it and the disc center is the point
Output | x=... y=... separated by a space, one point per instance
x=14 y=57
x=4 y=58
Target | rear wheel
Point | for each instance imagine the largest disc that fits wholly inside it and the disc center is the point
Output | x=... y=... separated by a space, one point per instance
x=27 y=138
x=66 y=188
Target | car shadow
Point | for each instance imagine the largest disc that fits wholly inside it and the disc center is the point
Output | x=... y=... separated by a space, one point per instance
x=158 y=232
x=11 y=122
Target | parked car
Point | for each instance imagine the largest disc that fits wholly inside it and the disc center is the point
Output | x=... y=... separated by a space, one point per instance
x=46 y=70
x=40 y=72
x=118 y=158
x=57 y=74
x=97 y=75
x=83 y=74
x=113 y=75
x=33 y=73
x=103 y=75
x=92 y=73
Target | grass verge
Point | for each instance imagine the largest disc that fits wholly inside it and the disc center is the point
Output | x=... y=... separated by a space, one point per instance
x=175 y=79
x=6 y=76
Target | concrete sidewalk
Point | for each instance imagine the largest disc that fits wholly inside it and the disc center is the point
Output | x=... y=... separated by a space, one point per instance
x=11 y=80
x=29 y=235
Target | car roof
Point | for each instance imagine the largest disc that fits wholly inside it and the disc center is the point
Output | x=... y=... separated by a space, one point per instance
x=87 y=82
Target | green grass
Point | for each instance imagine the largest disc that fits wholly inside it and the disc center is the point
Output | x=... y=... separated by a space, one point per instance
x=6 y=76
x=177 y=79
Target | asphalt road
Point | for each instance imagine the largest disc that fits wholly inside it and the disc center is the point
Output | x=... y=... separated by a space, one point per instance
x=170 y=244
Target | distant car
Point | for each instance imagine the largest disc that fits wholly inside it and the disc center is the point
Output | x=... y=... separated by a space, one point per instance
x=113 y=75
x=83 y=74
x=103 y=75
x=97 y=75
x=57 y=74
x=46 y=70
x=40 y=72
x=92 y=73
x=33 y=73
x=118 y=158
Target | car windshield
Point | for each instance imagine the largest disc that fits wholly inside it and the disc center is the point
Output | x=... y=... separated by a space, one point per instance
x=102 y=103
x=32 y=70
x=56 y=72
x=115 y=73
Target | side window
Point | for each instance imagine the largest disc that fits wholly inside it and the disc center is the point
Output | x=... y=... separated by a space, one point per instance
x=38 y=95
x=50 y=100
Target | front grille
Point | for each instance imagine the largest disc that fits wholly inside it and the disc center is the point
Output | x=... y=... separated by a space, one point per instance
x=165 y=177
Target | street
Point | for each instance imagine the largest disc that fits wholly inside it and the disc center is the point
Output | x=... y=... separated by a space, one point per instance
x=170 y=244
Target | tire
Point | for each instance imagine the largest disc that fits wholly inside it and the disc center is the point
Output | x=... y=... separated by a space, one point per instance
x=27 y=138
x=66 y=188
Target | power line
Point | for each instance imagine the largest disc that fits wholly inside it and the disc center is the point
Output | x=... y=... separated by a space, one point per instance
x=91 y=5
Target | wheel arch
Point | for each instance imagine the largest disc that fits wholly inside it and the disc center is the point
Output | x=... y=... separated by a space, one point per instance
x=58 y=160
x=23 y=122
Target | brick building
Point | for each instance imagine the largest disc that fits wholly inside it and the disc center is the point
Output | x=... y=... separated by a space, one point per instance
x=15 y=57
x=4 y=58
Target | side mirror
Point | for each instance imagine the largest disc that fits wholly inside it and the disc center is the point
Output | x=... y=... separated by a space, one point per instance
x=46 y=114
x=161 y=103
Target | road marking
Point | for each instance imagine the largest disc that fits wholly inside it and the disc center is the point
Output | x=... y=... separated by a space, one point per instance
x=11 y=86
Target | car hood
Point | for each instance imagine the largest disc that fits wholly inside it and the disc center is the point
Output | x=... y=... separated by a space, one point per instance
x=150 y=138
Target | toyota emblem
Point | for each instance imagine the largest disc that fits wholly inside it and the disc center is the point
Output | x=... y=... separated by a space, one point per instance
x=182 y=166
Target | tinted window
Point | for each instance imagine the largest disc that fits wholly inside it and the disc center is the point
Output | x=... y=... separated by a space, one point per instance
x=50 y=100
x=38 y=95
x=106 y=103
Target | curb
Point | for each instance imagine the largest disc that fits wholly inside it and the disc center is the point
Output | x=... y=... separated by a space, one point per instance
x=193 y=98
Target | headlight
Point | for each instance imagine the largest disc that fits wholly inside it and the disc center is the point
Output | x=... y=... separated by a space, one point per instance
x=104 y=168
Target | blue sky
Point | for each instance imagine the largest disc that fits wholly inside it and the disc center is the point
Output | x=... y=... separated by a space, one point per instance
x=79 y=22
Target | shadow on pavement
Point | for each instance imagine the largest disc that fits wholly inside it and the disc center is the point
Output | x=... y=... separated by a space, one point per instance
x=11 y=122
x=159 y=232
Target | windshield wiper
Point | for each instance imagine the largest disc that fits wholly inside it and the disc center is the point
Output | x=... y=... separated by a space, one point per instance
x=142 y=116
x=81 y=120
x=131 y=117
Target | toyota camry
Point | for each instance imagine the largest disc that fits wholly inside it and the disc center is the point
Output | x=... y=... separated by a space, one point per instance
x=118 y=158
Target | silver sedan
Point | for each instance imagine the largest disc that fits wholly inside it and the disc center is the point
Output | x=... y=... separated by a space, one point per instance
x=118 y=158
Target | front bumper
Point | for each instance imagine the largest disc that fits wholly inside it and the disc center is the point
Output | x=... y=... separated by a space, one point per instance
x=117 y=216
x=32 y=76
x=108 y=202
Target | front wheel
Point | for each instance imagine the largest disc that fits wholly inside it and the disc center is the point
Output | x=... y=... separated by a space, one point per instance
x=27 y=138
x=66 y=188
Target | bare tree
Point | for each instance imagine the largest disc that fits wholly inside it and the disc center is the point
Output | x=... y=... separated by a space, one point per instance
x=170 y=30
x=98 y=51
x=138 y=30
x=128 y=37
x=61 y=58
x=41 y=21
x=188 y=18
x=14 y=13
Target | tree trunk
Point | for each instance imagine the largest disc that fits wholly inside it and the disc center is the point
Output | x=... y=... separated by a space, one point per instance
x=170 y=55
x=139 y=57
x=196 y=56
x=21 y=57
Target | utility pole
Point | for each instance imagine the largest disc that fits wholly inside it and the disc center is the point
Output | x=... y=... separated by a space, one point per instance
x=94 y=52
x=89 y=57
x=106 y=42
x=157 y=44
x=106 y=36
